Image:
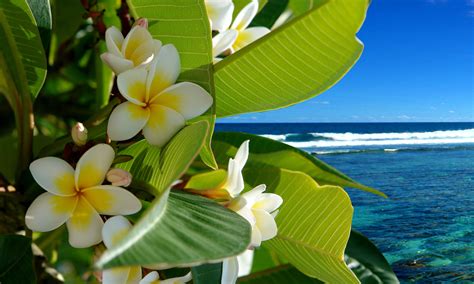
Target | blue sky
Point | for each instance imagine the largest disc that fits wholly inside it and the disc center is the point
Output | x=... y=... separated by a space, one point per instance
x=417 y=65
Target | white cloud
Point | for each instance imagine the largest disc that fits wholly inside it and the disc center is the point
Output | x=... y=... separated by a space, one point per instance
x=451 y=111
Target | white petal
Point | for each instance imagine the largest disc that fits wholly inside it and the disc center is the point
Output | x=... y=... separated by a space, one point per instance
x=93 y=166
x=164 y=70
x=248 y=36
x=245 y=16
x=230 y=270
x=85 y=226
x=253 y=195
x=132 y=86
x=135 y=38
x=189 y=99
x=47 y=212
x=114 y=230
x=135 y=275
x=265 y=224
x=256 y=240
x=163 y=124
x=242 y=154
x=114 y=40
x=118 y=64
x=54 y=175
x=177 y=280
x=112 y=200
x=117 y=275
x=126 y=121
x=235 y=181
x=247 y=213
x=223 y=41
x=245 y=262
x=219 y=13
x=143 y=54
x=268 y=202
x=150 y=277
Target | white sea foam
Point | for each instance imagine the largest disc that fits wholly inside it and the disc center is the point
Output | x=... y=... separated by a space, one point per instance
x=382 y=139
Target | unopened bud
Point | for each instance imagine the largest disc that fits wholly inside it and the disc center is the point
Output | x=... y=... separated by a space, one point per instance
x=79 y=134
x=142 y=22
x=119 y=177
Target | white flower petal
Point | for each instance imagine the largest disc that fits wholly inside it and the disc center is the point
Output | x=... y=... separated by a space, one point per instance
x=268 y=202
x=112 y=200
x=189 y=99
x=116 y=275
x=253 y=195
x=54 y=175
x=230 y=270
x=177 y=280
x=132 y=86
x=245 y=262
x=118 y=64
x=143 y=54
x=47 y=212
x=248 y=36
x=135 y=38
x=126 y=121
x=164 y=70
x=245 y=16
x=114 y=40
x=247 y=213
x=135 y=275
x=114 y=230
x=265 y=224
x=219 y=13
x=85 y=226
x=256 y=240
x=223 y=41
x=163 y=124
x=235 y=181
x=93 y=166
x=242 y=154
x=150 y=278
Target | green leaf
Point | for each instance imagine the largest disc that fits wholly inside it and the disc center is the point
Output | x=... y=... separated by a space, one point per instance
x=208 y=180
x=239 y=4
x=298 y=7
x=42 y=12
x=368 y=262
x=207 y=273
x=184 y=230
x=23 y=55
x=185 y=24
x=160 y=167
x=295 y=62
x=268 y=152
x=314 y=223
x=269 y=14
x=279 y=275
x=16 y=260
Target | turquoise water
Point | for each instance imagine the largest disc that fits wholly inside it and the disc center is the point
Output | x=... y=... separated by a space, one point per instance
x=426 y=228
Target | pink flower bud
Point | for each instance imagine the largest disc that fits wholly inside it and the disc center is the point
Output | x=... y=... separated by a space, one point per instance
x=119 y=177
x=142 y=22
x=79 y=134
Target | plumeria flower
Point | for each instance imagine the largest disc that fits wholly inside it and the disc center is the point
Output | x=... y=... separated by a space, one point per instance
x=154 y=102
x=113 y=231
x=135 y=50
x=234 y=183
x=239 y=35
x=236 y=266
x=77 y=197
x=219 y=13
x=260 y=210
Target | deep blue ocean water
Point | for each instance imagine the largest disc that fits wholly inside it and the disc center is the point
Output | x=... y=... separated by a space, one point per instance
x=426 y=228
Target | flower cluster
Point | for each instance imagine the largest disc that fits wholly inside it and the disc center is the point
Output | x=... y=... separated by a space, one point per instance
x=233 y=35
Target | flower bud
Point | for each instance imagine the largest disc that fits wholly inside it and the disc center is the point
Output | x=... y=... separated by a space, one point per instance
x=142 y=22
x=119 y=177
x=79 y=134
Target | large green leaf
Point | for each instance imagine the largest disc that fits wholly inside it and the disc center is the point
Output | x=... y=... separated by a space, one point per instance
x=295 y=62
x=269 y=14
x=184 y=24
x=264 y=151
x=207 y=273
x=42 y=12
x=314 y=223
x=283 y=274
x=160 y=167
x=184 y=230
x=21 y=49
x=367 y=262
x=16 y=260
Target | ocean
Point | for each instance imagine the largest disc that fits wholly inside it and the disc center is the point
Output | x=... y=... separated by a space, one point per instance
x=426 y=227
